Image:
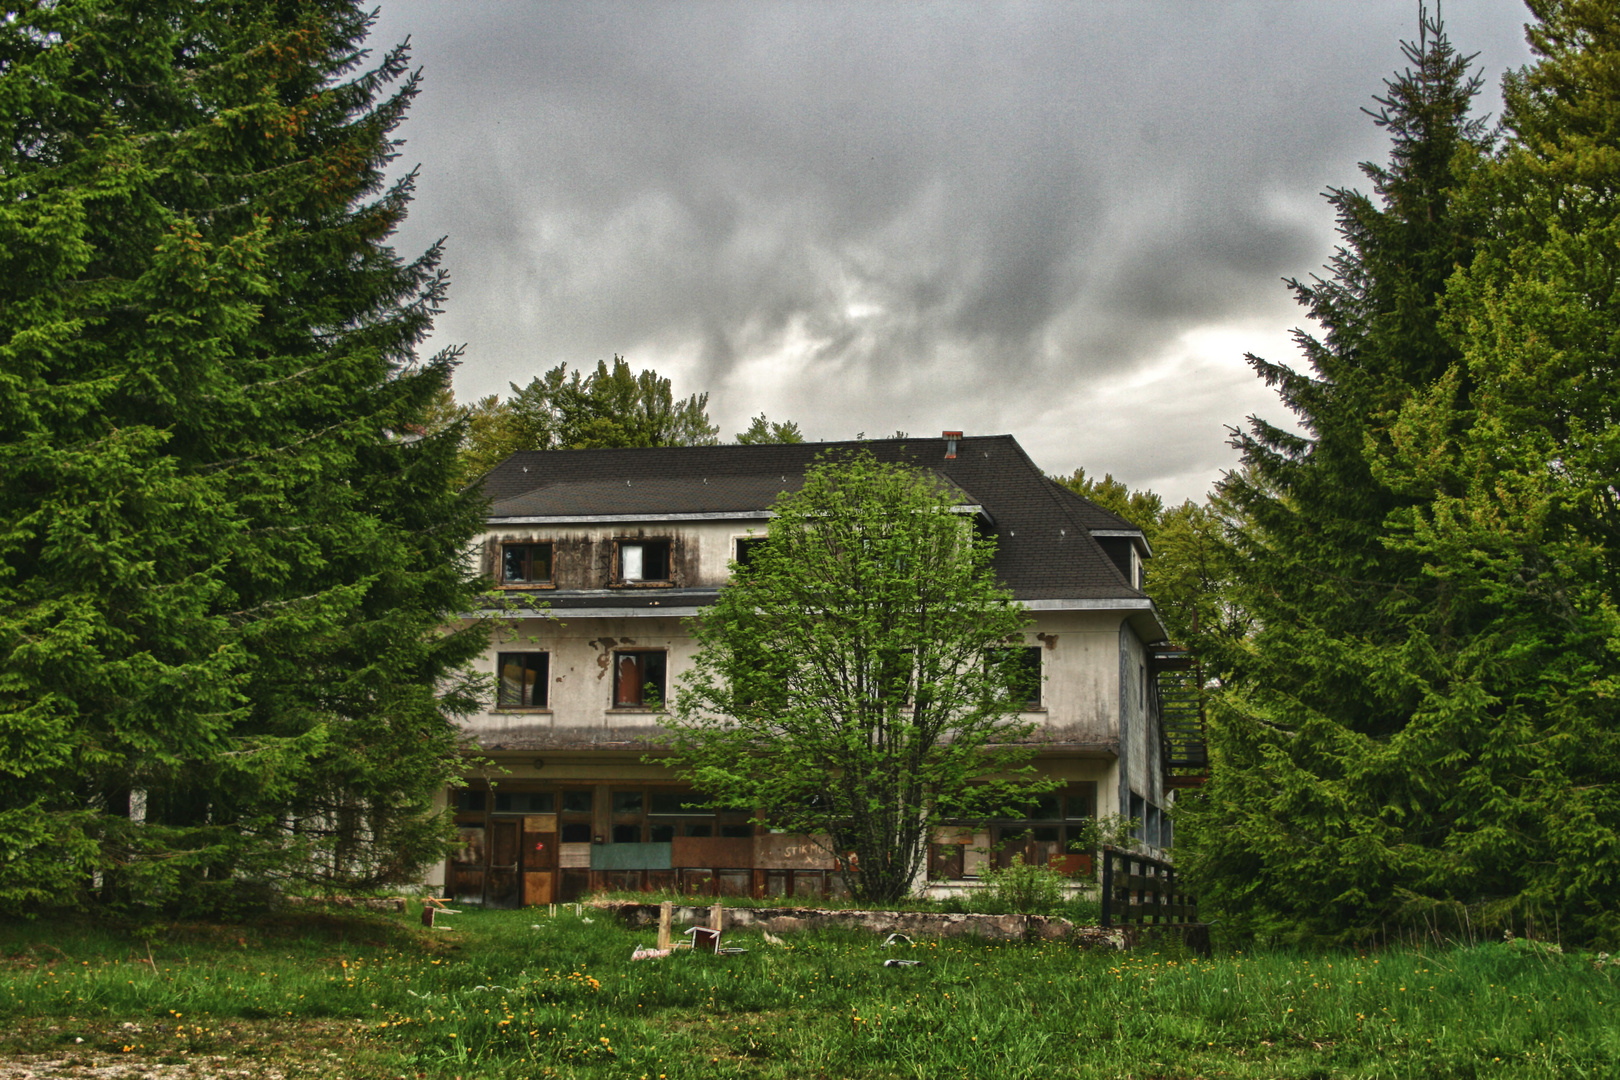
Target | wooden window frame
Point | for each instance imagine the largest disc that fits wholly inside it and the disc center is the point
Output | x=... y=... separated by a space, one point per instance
x=543 y=683
x=640 y=704
x=618 y=580
x=551 y=560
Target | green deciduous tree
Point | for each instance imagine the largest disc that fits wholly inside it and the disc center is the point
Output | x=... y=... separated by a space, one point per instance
x=226 y=556
x=761 y=430
x=853 y=683
x=570 y=410
x=1321 y=816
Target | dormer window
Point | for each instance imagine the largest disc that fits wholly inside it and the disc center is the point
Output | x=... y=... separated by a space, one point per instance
x=525 y=564
x=643 y=561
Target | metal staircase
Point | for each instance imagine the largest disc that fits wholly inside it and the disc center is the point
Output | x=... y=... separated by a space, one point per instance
x=1177 y=682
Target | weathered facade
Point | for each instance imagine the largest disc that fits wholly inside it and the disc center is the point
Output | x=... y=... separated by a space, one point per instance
x=601 y=555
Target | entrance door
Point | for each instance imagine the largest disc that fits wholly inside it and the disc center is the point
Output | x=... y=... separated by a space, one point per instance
x=539 y=859
x=501 y=880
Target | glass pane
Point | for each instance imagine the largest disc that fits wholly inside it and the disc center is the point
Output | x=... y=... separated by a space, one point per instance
x=630 y=562
x=576 y=802
x=542 y=803
x=736 y=832
x=470 y=800
x=653 y=671
x=627 y=802
x=627 y=834
x=662 y=834
x=540 y=562
x=503 y=803
x=655 y=562
x=512 y=559
x=576 y=834
x=699 y=830
x=667 y=802
x=512 y=675
x=1079 y=803
x=1047 y=808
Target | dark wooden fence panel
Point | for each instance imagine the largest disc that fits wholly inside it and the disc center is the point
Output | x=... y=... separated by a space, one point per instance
x=1142 y=890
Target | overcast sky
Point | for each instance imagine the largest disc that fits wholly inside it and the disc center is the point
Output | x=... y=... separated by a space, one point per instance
x=1067 y=221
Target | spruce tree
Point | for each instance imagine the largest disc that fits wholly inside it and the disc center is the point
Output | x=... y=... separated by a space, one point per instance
x=1510 y=462
x=227 y=558
x=1313 y=823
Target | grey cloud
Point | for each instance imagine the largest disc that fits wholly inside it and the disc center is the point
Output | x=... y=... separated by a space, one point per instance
x=881 y=216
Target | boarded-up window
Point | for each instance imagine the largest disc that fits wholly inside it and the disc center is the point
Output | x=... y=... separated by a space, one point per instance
x=638 y=679
x=524 y=679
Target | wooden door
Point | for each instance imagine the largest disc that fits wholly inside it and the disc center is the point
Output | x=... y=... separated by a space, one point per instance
x=501 y=879
x=539 y=862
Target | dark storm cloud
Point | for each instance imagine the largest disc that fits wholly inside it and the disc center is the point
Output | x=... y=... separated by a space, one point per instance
x=1039 y=217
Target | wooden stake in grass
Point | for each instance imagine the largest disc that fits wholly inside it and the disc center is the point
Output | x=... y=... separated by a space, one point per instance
x=666 y=915
x=717 y=916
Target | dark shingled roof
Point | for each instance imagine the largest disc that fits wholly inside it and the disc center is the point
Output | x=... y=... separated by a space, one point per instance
x=662 y=495
x=1043 y=530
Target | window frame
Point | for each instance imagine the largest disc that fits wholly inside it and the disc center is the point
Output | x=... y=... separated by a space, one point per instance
x=1038 y=702
x=619 y=581
x=742 y=544
x=640 y=704
x=543 y=682
x=550 y=582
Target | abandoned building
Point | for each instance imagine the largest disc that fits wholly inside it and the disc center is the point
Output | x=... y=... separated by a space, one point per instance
x=623 y=545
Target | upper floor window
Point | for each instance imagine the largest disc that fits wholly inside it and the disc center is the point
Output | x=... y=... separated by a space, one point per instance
x=746 y=548
x=523 y=680
x=525 y=564
x=1027 y=662
x=643 y=560
x=638 y=679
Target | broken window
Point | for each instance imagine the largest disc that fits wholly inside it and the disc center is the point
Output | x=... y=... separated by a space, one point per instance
x=643 y=560
x=638 y=679
x=746 y=549
x=523 y=680
x=525 y=564
x=1026 y=671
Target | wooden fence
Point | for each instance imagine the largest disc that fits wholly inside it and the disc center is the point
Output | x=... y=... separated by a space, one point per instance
x=1142 y=890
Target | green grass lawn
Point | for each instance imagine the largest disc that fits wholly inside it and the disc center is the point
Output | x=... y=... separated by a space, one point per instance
x=516 y=994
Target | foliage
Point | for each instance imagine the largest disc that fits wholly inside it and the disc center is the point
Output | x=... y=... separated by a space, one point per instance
x=561 y=995
x=761 y=430
x=854 y=680
x=225 y=556
x=1510 y=461
x=1114 y=830
x=1336 y=802
x=1142 y=508
x=569 y=410
x=1031 y=888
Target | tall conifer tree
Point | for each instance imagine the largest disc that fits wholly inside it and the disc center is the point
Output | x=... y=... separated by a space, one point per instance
x=1311 y=818
x=1509 y=464
x=225 y=555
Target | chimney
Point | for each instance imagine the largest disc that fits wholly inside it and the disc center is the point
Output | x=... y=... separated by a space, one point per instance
x=950 y=438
